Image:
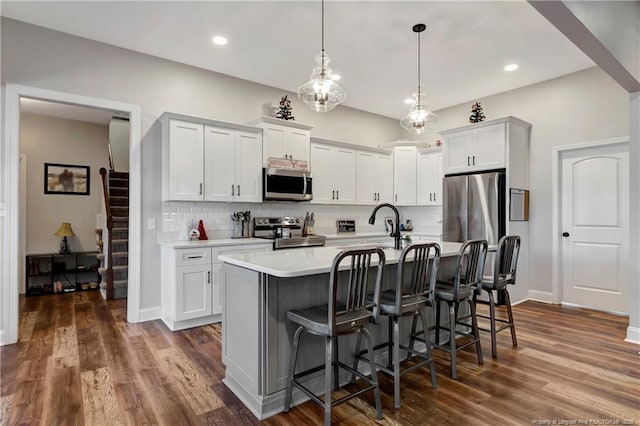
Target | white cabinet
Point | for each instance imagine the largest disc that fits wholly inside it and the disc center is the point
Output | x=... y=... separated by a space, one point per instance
x=405 y=175
x=374 y=177
x=334 y=174
x=429 y=178
x=284 y=139
x=191 y=283
x=482 y=147
x=207 y=162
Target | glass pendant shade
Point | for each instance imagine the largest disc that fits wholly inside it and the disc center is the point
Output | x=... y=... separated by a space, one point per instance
x=419 y=119
x=321 y=92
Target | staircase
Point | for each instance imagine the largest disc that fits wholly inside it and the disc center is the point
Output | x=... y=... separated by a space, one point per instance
x=113 y=239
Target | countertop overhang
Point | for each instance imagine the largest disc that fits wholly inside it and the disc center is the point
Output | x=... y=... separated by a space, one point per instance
x=310 y=261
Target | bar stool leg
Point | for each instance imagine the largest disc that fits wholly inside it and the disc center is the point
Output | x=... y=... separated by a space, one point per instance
x=390 y=342
x=452 y=338
x=438 y=322
x=396 y=362
x=476 y=332
x=432 y=364
x=356 y=359
x=507 y=299
x=292 y=367
x=374 y=373
x=328 y=363
x=336 y=385
x=492 y=319
x=412 y=339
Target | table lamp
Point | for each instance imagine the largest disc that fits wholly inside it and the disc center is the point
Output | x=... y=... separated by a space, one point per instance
x=65 y=231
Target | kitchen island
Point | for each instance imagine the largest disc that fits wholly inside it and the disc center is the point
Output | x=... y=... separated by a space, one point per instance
x=257 y=291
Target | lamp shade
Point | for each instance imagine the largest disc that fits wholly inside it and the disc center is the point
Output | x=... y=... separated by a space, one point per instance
x=65 y=230
x=321 y=93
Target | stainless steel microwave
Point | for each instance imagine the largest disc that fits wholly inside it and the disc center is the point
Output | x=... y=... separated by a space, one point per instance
x=286 y=185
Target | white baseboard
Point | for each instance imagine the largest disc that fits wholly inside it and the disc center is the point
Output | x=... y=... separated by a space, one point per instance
x=541 y=296
x=2 y=336
x=633 y=335
x=149 y=314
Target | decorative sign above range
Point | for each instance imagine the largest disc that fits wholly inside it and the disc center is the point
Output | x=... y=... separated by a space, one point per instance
x=287 y=164
x=346 y=226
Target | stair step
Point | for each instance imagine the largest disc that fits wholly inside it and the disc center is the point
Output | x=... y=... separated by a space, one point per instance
x=118 y=201
x=120 y=211
x=119 y=192
x=118 y=175
x=121 y=254
x=118 y=268
x=120 y=288
x=118 y=183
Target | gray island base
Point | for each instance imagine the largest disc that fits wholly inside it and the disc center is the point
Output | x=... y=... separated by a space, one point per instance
x=257 y=291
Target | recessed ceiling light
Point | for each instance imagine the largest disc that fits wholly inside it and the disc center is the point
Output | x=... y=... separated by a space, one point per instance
x=336 y=77
x=511 y=67
x=408 y=101
x=219 y=40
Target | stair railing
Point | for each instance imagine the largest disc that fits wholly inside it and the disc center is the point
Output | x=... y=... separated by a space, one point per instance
x=109 y=239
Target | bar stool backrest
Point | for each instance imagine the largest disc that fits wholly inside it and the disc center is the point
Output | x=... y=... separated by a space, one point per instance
x=470 y=266
x=506 y=260
x=417 y=277
x=357 y=284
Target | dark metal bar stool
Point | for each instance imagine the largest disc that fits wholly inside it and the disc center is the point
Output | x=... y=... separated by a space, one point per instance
x=504 y=273
x=349 y=309
x=413 y=293
x=466 y=282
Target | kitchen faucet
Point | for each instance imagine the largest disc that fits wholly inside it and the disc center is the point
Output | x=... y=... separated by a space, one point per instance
x=396 y=232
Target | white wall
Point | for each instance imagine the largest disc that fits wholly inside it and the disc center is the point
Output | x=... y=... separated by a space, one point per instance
x=38 y=57
x=56 y=140
x=580 y=107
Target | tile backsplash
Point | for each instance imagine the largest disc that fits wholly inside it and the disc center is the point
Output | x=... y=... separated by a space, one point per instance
x=218 y=224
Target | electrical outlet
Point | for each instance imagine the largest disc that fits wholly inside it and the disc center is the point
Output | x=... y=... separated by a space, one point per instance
x=151 y=223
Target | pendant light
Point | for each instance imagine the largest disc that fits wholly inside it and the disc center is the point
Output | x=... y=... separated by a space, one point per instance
x=419 y=117
x=321 y=92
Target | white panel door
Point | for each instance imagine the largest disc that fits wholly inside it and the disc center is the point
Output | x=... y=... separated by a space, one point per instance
x=185 y=161
x=323 y=190
x=405 y=175
x=219 y=146
x=248 y=165
x=193 y=292
x=365 y=178
x=344 y=175
x=489 y=150
x=457 y=150
x=595 y=227
x=298 y=144
x=383 y=172
x=274 y=142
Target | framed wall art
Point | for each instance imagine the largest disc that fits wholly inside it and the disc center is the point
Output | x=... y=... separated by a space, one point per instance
x=70 y=179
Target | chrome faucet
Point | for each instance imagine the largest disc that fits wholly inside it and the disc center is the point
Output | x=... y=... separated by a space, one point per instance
x=396 y=232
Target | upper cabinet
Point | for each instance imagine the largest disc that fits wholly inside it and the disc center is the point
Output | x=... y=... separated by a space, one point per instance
x=284 y=139
x=430 y=178
x=481 y=146
x=206 y=160
x=333 y=168
x=374 y=177
x=405 y=175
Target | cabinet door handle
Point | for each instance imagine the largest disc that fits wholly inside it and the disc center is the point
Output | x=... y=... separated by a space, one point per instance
x=434 y=196
x=375 y=198
x=430 y=196
x=333 y=195
x=468 y=161
x=200 y=188
x=194 y=257
x=337 y=195
x=208 y=277
x=396 y=198
x=238 y=190
x=474 y=160
x=233 y=190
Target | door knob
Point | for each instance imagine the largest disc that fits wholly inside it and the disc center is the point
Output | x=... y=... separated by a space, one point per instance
x=565 y=234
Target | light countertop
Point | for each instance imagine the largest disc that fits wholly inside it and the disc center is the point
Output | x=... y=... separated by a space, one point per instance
x=215 y=242
x=310 y=261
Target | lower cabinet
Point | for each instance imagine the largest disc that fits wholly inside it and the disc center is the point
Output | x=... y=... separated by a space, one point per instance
x=191 y=284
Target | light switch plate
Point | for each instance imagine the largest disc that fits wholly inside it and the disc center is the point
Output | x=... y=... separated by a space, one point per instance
x=151 y=223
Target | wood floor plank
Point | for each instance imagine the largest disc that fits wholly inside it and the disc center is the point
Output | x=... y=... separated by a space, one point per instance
x=79 y=362
x=99 y=401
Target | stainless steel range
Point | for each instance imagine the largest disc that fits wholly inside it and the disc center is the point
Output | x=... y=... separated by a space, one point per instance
x=286 y=232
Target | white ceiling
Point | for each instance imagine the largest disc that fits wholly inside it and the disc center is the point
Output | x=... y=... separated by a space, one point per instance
x=465 y=46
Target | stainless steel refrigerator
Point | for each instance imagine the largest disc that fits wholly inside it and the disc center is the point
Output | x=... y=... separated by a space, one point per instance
x=474 y=207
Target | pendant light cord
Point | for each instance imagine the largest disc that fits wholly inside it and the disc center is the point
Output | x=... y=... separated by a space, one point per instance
x=418 y=68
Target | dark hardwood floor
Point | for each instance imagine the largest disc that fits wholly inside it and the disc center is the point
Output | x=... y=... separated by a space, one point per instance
x=79 y=362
